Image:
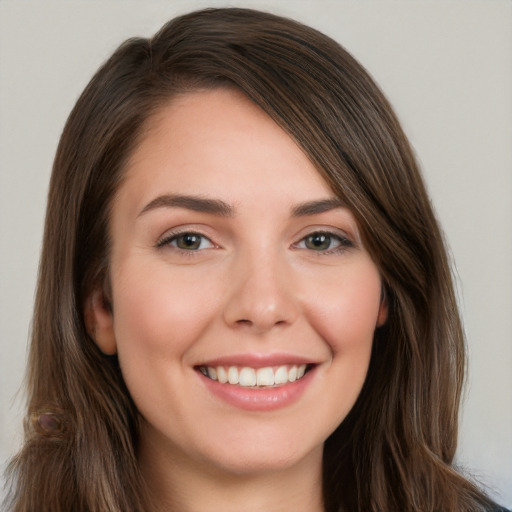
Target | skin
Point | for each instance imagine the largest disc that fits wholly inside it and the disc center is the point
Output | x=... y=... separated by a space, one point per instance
x=255 y=285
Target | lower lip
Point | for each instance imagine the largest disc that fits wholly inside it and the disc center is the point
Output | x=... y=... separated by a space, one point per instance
x=262 y=399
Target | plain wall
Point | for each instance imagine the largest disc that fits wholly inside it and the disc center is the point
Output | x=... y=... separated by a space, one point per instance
x=445 y=65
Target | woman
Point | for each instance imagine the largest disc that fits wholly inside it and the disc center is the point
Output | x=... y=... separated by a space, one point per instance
x=244 y=297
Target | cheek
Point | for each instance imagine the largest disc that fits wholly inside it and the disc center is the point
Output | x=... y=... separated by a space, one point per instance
x=345 y=315
x=158 y=317
x=158 y=312
x=346 y=311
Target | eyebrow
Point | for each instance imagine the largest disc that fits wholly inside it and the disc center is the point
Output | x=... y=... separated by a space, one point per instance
x=195 y=203
x=222 y=209
x=316 y=207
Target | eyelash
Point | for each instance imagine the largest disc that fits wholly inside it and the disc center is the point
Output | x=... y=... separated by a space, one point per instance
x=344 y=243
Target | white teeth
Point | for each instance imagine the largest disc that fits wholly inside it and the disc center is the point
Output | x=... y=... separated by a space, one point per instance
x=233 y=375
x=251 y=377
x=281 y=375
x=265 y=377
x=247 y=377
x=222 y=376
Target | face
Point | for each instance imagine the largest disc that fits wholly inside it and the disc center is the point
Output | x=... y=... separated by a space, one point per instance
x=244 y=302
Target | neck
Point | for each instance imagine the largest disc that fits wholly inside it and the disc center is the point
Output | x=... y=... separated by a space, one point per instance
x=177 y=484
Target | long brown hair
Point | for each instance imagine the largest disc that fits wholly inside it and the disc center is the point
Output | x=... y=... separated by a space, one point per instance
x=394 y=451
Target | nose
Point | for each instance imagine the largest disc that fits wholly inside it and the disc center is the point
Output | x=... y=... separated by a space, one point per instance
x=261 y=295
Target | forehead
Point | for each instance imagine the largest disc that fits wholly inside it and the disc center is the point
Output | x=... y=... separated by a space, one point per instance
x=215 y=141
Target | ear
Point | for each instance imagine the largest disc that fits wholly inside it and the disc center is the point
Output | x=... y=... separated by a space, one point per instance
x=99 y=322
x=382 y=316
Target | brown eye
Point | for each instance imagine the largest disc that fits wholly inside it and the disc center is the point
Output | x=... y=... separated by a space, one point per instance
x=319 y=241
x=187 y=242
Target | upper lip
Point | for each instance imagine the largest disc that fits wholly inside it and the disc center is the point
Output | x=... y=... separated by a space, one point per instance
x=258 y=360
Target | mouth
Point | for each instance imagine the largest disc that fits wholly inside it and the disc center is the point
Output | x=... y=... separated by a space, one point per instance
x=255 y=378
x=258 y=382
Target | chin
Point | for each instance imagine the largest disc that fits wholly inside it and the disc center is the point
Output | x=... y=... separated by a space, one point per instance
x=260 y=457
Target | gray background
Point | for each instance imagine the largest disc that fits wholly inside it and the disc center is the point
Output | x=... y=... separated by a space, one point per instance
x=446 y=67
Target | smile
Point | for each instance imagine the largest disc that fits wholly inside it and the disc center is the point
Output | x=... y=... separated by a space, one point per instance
x=248 y=377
